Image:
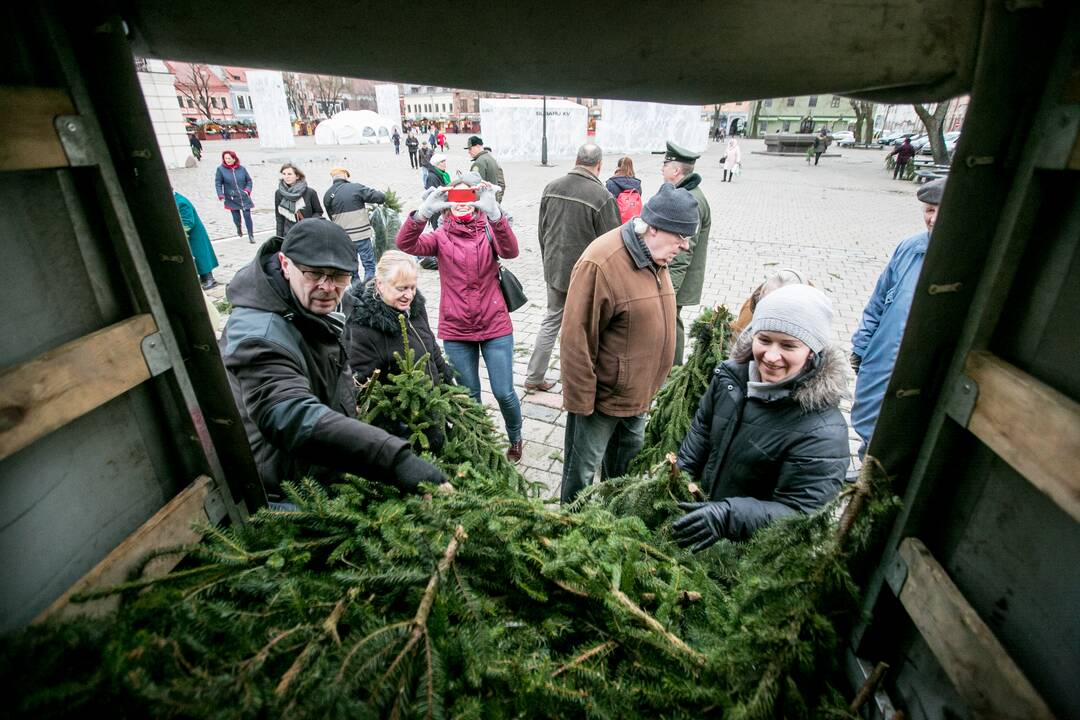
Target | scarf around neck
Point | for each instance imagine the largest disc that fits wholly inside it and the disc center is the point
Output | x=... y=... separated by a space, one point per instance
x=292 y=198
x=767 y=391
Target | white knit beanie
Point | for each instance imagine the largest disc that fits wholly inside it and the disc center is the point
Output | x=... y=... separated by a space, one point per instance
x=801 y=311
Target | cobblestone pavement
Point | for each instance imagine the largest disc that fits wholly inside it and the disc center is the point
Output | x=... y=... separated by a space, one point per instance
x=837 y=223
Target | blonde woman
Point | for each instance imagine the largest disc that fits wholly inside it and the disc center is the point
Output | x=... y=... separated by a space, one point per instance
x=376 y=322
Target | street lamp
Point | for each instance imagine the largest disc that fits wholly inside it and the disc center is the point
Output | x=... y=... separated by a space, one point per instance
x=543 y=139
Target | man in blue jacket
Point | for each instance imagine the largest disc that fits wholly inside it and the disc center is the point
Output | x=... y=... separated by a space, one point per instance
x=875 y=344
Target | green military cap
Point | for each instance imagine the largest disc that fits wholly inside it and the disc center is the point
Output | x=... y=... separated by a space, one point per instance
x=675 y=152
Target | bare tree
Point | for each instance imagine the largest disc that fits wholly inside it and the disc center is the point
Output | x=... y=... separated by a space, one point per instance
x=864 y=120
x=297 y=95
x=934 y=121
x=195 y=86
x=327 y=90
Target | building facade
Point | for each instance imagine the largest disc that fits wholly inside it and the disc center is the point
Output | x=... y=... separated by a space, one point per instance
x=808 y=113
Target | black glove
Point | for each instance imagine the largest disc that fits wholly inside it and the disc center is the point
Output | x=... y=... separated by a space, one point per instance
x=411 y=470
x=856 y=361
x=702 y=525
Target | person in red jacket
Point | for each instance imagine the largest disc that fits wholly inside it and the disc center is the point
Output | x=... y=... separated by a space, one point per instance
x=903 y=154
x=473 y=318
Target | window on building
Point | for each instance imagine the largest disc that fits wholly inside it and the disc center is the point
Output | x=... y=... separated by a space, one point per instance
x=213 y=102
x=763 y=126
x=813 y=101
x=190 y=103
x=766 y=103
x=251 y=105
x=240 y=102
x=835 y=102
x=790 y=103
x=224 y=102
x=180 y=100
x=787 y=125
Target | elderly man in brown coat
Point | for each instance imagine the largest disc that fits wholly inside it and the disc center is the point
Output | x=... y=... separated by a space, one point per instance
x=618 y=336
x=574 y=210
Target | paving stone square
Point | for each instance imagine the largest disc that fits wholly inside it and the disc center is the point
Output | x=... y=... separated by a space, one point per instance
x=837 y=223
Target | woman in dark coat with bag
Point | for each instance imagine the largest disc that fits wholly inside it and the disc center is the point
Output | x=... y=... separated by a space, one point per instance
x=233 y=184
x=294 y=200
x=768 y=439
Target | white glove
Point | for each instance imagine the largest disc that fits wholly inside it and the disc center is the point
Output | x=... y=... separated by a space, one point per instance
x=434 y=202
x=485 y=201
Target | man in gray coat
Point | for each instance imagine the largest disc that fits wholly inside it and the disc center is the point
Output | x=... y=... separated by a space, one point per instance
x=574 y=210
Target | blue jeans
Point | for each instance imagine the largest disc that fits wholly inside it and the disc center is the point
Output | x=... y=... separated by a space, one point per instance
x=498 y=353
x=598 y=440
x=366 y=253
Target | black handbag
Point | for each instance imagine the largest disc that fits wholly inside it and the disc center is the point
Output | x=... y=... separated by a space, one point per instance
x=512 y=291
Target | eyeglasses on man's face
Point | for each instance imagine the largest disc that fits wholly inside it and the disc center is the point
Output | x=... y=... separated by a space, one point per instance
x=340 y=278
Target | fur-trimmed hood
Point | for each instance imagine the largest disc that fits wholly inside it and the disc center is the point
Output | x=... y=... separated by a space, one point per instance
x=371 y=311
x=822 y=386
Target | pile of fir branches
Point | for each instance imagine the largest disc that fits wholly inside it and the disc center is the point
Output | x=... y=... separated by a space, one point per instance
x=480 y=603
x=474 y=604
x=674 y=406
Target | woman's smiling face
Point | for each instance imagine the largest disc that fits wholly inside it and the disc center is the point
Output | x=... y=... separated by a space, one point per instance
x=778 y=355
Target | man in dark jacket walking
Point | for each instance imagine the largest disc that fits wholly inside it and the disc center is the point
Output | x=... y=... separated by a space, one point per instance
x=284 y=350
x=688 y=269
x=574 y=210
x=411 y=144
x=345 y=204
x=618 y=337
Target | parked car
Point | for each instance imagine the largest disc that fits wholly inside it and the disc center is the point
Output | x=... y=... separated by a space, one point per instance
x=893 y=138
x=951 y=139
x=844 y=137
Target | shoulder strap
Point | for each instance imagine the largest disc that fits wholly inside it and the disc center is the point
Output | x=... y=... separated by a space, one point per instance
x=491 y=241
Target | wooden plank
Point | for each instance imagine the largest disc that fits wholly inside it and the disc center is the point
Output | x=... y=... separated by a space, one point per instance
x=1030 y=425
x=43 y=394
x=170 y=526
x=984 y=675
x=28 y=139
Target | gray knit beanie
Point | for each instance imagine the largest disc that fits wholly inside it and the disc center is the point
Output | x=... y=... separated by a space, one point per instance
x=801 y=311
x=673 y=210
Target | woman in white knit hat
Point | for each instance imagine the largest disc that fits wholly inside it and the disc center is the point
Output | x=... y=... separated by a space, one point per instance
x=768 y=439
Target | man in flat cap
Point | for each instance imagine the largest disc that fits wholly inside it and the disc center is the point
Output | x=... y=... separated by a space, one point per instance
x=284 y=350
x=484 y=162
x=688 y=269
x=618 y=336
x=346 y=205
x=876 y=342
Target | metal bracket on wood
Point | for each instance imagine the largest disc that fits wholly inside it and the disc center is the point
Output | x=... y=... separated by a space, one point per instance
x=896 y=573
x=76 y=141
x=214 y=505
x=962 y=397
x=156 y=354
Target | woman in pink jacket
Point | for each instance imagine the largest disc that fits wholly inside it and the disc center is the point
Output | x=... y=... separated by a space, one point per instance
x=473 y=318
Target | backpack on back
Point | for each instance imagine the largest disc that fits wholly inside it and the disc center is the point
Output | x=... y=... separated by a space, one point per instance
x=629 y=202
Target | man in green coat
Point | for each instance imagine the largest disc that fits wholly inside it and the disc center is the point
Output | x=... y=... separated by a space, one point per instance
x=688 y=268
x=198 y=241
x=484 y=162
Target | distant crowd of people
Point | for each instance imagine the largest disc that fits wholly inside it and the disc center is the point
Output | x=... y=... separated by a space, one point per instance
x=315 y=313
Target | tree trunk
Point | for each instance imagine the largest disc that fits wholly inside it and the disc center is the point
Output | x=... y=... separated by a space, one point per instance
x=934 y=123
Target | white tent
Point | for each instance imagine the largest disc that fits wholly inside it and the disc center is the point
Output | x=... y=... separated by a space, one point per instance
x=641 y=127
x=512 y=128
x=354 y=127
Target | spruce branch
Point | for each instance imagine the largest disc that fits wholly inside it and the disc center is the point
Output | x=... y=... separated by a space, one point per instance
x=591 y=652
x=656 y=627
